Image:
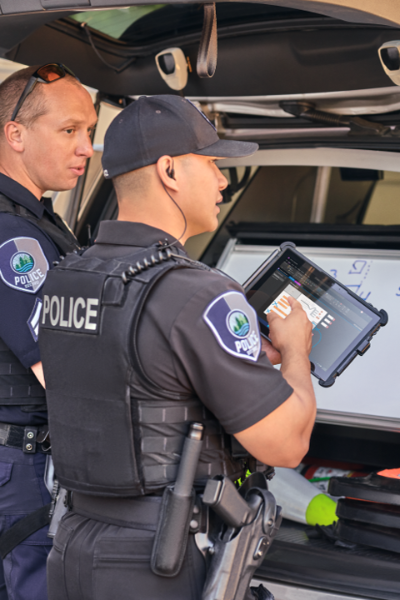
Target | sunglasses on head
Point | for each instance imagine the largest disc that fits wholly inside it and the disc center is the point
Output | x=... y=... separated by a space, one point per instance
x=45 y=74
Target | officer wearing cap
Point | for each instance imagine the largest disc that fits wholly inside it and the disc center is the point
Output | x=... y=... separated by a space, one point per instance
x=138 y=341
x=44 y=145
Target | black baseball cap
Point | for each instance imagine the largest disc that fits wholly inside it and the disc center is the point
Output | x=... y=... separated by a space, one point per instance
x=154 y=126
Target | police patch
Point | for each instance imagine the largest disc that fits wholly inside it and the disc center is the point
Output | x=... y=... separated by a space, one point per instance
x=33 y=321
x=23 y=265
x=234 y=324
x=72 y=302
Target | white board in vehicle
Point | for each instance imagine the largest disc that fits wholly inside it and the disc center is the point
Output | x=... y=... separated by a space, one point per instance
x=371 y=385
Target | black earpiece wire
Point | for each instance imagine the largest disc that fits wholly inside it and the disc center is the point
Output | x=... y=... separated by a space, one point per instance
x=182 y=213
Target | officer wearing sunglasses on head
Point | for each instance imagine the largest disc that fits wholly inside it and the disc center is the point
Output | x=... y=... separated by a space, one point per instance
x=138 y=342
x=46 y=118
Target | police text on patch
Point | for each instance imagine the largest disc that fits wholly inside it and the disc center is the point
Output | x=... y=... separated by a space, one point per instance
x=70 y=313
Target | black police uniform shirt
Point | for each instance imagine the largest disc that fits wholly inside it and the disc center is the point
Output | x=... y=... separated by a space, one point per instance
x=21 y=242
x=198 y=333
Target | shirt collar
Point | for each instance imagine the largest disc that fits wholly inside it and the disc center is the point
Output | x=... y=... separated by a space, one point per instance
x=126 y=233
x=22 y=196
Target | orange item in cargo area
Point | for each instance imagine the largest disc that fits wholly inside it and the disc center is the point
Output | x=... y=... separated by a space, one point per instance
x=393 y=473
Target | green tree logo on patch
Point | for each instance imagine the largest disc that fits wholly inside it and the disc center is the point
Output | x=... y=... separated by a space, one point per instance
x=238 y=323
x=22 y=262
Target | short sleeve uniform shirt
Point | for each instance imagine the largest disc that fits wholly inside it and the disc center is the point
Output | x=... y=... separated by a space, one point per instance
x=198 y=334
x=26 y=254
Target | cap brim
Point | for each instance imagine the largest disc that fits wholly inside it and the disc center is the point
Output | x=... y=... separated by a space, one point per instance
x=229 y=149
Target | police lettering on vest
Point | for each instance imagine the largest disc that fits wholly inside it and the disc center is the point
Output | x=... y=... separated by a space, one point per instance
x=69 y=310
x=71 y=313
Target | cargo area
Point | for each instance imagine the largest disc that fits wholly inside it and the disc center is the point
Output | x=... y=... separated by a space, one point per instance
x=301 y=556
x=297 y=560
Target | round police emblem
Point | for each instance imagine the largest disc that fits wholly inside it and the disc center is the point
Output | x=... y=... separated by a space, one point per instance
x=234 y=325
x=22 y=262
x=238 y=323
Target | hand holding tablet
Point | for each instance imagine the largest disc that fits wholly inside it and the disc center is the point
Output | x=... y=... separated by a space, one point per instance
x=343 y=324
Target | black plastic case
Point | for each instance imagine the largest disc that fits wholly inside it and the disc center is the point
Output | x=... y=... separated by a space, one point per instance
x=374 y=488
x=371 y=513
x=361 y=347
x=384 y=538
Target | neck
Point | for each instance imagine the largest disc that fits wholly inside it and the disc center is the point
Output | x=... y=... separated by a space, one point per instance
x=167 y=218
x=16 y=171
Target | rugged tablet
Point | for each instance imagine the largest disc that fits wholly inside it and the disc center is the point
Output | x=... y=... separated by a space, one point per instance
x=343 y=323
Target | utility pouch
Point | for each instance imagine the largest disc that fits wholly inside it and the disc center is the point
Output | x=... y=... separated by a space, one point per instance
x=172 y=533
x=251 y=523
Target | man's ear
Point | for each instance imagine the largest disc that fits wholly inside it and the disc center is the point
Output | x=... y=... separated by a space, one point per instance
x=14 y=135
x=166 y=171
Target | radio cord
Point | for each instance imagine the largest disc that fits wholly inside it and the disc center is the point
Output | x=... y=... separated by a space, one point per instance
x=183 y=215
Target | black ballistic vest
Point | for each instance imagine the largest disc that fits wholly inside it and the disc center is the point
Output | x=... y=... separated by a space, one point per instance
x=18 y=385
x=114 y=431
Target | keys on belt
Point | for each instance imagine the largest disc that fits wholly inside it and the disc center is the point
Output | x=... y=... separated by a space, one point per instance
x=28 y=439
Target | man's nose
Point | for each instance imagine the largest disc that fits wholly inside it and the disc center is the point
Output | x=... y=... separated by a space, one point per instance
x=223 y=182
x=85 y=147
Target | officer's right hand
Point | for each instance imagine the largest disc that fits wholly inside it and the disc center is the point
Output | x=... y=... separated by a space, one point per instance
x=293 y=334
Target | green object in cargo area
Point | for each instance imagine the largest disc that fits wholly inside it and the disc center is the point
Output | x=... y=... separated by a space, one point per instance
x=321 y=511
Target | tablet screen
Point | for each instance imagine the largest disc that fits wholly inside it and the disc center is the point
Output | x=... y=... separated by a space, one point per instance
x=340 y=321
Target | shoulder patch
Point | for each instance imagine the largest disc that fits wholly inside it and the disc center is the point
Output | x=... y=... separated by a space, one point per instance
x=33 y=321
x=234 y=324
x=23 y=265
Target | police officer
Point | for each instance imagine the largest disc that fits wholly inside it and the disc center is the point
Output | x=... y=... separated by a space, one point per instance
x=138 y=341
x=44 y=145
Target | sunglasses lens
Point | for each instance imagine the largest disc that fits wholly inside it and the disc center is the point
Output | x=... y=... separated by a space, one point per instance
x=51 y=73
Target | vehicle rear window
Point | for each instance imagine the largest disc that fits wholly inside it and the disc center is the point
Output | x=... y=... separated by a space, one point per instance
x=144 y=24
x=114 y=23
x=332 y=195
x=294 y=198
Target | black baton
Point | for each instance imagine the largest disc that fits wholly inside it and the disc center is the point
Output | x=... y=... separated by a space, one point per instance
x=176 y=512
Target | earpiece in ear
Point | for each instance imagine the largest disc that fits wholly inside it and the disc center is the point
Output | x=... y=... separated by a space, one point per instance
x=171 y=172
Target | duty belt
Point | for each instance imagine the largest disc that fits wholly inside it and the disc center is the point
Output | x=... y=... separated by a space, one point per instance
x=141 y=512
x=28 y=439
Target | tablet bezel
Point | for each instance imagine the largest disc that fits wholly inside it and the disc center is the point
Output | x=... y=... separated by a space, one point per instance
x=358 y=347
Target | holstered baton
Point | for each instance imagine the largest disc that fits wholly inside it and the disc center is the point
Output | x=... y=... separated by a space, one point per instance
x=174 y=521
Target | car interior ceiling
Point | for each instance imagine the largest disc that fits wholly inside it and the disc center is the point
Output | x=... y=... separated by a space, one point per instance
x=113 y=50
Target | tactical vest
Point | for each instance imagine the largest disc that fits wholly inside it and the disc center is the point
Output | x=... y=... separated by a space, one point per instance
x=18 y=385
x=114 y=431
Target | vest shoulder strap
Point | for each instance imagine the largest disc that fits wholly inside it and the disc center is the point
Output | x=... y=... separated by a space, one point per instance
x=58 y=232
